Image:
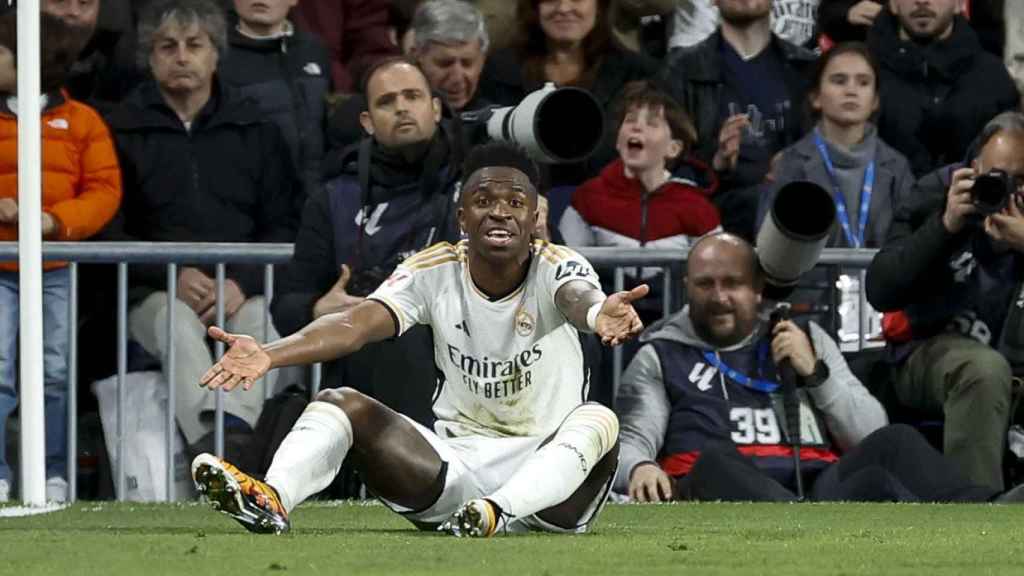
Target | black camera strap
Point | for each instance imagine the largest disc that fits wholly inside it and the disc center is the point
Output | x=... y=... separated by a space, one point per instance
x=438 y=200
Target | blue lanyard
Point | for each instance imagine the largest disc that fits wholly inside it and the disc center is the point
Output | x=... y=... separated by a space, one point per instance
x=766 y=386
x=865 y=195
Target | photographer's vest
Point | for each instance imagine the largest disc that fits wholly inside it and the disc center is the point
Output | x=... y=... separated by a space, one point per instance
x=708 y=405
x=375 y=228
x=974 y=299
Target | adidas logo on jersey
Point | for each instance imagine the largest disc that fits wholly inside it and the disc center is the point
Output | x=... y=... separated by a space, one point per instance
x=463 y=327
x=59 y=124
x=313 y=69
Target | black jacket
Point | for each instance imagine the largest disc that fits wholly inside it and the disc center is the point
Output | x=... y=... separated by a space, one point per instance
x=935 y=98
x=935 y=276
x=502 y=83
x=105 y=70
x=289 y=78
x=834 y=22
x=693 y=76
x=228 y=179
x=409 y=206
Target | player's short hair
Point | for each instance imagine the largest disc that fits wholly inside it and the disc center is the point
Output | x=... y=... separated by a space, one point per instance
x=500 y=153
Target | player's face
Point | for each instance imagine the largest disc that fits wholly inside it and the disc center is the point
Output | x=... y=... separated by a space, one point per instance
x=720 y=286
x=498 y=212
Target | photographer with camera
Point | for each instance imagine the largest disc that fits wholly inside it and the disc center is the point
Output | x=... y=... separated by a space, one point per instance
x=701 y=416
x=391 y=195
x=951 y=264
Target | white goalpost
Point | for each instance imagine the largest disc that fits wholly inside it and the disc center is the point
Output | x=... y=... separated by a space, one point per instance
x=30 y=266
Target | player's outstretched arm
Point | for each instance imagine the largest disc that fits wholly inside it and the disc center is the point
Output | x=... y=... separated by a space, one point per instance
x=329 y=337
x=615 y=321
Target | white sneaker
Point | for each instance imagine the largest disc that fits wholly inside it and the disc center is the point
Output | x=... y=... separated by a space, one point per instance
x=56 y=489
x=5 y=490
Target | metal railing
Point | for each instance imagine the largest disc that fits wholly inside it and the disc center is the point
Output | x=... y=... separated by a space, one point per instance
x=172 y=254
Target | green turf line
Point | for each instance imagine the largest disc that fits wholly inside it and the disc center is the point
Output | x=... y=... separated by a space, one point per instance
x=681 y=539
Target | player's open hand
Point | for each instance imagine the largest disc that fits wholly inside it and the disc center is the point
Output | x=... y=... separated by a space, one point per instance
x=243 y=363
x=618 y=321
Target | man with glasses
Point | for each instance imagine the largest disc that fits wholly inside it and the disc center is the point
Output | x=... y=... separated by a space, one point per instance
x=952 y=265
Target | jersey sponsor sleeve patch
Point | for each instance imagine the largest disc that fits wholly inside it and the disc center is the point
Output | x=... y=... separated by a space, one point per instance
x=401 y=294
x=563 y=265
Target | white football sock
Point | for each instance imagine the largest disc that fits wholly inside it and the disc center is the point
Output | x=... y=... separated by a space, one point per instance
x=558 y=468
x=311 y=454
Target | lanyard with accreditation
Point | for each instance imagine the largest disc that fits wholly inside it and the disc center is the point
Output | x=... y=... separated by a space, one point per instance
x=865 y=195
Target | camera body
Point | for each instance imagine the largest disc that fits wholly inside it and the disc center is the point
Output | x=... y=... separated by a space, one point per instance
x=991 y=191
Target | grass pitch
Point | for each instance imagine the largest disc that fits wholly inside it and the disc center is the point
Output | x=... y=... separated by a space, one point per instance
x=342 y=539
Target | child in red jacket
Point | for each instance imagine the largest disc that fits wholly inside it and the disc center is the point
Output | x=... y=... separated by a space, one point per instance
x=81 y=191
x=636 y=201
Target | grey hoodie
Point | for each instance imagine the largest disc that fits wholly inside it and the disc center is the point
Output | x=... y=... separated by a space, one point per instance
x=850 y=412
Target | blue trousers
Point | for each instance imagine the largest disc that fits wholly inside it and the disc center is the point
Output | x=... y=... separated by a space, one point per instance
x=56 y=287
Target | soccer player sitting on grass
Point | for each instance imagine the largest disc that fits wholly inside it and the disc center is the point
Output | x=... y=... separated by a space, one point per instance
x=515 y=446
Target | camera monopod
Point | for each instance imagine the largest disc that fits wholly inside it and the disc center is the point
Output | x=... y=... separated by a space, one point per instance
x=790 y=399
x=789 y=242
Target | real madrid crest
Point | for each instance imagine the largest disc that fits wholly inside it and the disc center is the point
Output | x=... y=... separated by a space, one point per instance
x=524 y=322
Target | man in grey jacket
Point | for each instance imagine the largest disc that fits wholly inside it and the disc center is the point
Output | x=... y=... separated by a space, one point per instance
x=703 y=418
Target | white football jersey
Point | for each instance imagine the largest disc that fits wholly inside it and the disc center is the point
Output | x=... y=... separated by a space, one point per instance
x=509 y=367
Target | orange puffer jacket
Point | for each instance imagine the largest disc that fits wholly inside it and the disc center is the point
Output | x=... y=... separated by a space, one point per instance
x=81 y=177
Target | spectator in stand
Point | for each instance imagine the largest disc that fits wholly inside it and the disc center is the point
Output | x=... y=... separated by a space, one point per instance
x=843 y=154
x=626 y=19
x=285 y=70
x=81 y=192
x=850 y=20
x=792 y=20
x=356 y=33
x=744 y=87
x=569 y=43
x=954 y=270
x=360 y=226
x=939 y=87
x=636 y=201
x=200 y=165
x=701 y=418
x=104 y=71
x=450 y=45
